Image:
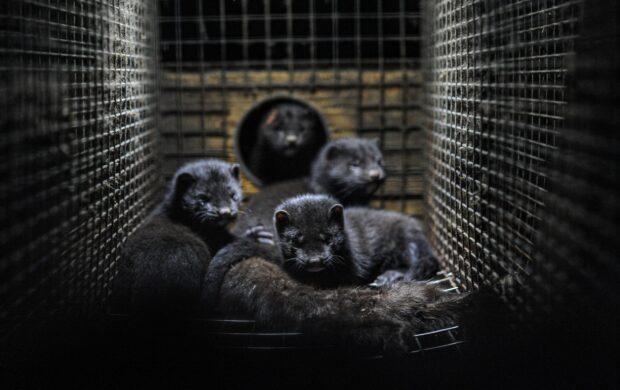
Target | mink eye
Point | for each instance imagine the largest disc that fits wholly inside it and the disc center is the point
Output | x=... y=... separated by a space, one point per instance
x=204 y=198
x=380 y=161
x=355 y=163
x=233 y=195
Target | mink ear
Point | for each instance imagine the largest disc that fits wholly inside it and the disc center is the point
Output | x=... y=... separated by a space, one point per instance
x=234 y=170
x=332 y=152
x=184 y=181
x=271 y=118
x=282 y=219
x=309 y=113
x=336 y=214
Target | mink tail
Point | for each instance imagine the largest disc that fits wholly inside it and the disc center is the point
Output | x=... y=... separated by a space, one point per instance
x=225 y=259
x=384 y=319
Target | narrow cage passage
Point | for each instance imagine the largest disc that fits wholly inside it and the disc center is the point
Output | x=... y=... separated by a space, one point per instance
x=498 y=128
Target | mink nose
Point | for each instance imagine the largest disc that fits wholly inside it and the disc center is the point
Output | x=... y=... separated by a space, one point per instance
x=374 y=174
x=314 y=264
x=291 y=139
x=225 y=212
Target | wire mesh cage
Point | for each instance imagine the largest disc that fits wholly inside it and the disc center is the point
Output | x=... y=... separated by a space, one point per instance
x=576 y=250
x=78 y=93
x=496 y=90
x=357 y=62
x=497 y=121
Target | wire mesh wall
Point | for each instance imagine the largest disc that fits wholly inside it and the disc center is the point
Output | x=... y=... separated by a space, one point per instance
x=356 y=61
x=496 y=88
x=78 y=88
x=77 y=147
x=578 y=242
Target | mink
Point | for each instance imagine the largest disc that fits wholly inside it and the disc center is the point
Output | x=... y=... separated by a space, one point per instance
x=163 y=263
x=287 y=141
x=350 y=169
x=326 y=245
x=251 y=283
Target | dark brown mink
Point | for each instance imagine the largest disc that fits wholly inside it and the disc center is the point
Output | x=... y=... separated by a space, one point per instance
x=163 y=263
x=386 y=318
x=287 y=141
x=327 y=245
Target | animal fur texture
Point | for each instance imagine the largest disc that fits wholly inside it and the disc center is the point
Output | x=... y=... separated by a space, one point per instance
x=164 y=262
x=287 y=141
x=326 y=245
x=349 y=169
x=352 y=317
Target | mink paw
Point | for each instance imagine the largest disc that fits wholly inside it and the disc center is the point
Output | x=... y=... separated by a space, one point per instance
x=388 y=278
x=260 y=234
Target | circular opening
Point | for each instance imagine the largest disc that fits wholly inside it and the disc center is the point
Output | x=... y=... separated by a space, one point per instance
x=246 y=137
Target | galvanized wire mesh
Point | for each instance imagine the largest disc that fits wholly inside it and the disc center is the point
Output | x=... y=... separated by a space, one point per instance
x=77 y=90
x=357 y=61
x=496 y=88
x=579 y=253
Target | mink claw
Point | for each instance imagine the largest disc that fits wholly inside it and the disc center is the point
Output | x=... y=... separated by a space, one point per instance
x=387 y=278
x=265 y=234
x=253 y=230
x=265 y=241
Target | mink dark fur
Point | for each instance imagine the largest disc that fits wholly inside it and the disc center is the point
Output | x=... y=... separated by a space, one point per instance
x=349 y=169
x=385 y=318
x=326 y=245
x=286 y=143
x=164 y=262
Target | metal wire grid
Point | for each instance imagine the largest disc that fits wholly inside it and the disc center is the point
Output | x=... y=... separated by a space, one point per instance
x=579 y=249
x=78 y=97
x=287 y=34
x=357 y=59
x=496 y=81
x=77 y=140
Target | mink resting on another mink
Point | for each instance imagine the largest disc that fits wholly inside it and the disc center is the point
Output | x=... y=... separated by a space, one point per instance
x=327 y=245
x=242 y=280
x=350 y=169
x=163 y=263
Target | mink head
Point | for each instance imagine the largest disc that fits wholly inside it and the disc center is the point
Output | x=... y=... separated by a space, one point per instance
x=350 y=169
x=205 y=193
x=311 y=235
x=287 y=128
